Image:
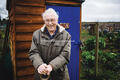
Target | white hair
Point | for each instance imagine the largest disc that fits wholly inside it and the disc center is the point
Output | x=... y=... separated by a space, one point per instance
x=50 y=11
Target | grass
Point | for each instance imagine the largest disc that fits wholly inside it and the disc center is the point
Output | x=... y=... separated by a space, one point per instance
x=85 y=35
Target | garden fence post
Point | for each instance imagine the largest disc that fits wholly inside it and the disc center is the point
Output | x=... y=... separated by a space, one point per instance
x=96 y=49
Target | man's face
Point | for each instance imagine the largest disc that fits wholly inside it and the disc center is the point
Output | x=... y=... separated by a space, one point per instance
x=51 y=22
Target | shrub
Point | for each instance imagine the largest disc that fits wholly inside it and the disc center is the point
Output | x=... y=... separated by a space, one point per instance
x=91 y=43
x=108 y=65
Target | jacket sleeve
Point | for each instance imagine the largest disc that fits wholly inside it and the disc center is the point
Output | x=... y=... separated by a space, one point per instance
x=34 y=53
x=64 y=57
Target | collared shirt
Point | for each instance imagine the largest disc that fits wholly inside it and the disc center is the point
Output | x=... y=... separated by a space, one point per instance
x=51 y=36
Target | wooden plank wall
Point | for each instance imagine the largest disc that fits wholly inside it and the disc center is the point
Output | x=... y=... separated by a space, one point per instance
x=25 y=17
x=63 y=2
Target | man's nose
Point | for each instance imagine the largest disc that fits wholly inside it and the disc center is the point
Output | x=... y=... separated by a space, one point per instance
x=50 y=22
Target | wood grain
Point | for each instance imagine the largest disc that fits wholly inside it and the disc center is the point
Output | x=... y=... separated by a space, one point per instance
x=28 y=27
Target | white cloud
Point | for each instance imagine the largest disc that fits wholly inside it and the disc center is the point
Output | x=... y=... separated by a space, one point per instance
x=101 y=10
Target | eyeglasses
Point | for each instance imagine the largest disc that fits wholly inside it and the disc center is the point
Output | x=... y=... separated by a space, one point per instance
x=50 y=20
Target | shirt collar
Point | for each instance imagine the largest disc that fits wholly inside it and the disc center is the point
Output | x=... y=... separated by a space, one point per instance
x=61 y=28
x=46 y=31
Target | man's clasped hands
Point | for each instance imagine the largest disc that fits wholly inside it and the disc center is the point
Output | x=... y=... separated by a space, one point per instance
x=44 y=69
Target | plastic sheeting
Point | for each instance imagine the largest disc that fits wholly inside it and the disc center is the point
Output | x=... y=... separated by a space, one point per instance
x=3 y=10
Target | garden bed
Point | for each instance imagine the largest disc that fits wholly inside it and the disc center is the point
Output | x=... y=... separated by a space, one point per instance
x=108 y=57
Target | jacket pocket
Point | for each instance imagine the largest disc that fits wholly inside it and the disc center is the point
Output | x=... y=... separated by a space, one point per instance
x=62 y=68
x=57 y=48
x=43 y=50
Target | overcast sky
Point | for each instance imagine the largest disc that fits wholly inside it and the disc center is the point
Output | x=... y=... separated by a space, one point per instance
x=92 y=10
x=101 y=10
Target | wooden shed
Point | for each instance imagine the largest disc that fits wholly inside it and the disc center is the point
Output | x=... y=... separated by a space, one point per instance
x=25 y=18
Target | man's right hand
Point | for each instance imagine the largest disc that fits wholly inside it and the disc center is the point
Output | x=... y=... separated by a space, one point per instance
x=49 y=69
x=42 y=69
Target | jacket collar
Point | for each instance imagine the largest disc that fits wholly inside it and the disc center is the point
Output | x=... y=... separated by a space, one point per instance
x=61 y=28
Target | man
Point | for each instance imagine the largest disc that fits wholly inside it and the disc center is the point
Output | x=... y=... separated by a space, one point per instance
x=50 y=49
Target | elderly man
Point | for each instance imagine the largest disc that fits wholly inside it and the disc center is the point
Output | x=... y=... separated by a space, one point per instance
x=50 y=49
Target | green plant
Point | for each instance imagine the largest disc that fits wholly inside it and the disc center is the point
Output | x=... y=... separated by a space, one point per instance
x=91 y=43
x=110 y=36
x=88 y=59
x=2 y=34
x=108 y=65
x=117 y=40
x=109 y=58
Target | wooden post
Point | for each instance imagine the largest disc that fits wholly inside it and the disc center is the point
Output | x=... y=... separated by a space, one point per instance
x=13 y=39
x=96 y=49
x=80 y=39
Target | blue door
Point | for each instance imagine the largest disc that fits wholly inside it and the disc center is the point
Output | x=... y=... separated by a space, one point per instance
x=71 y=15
